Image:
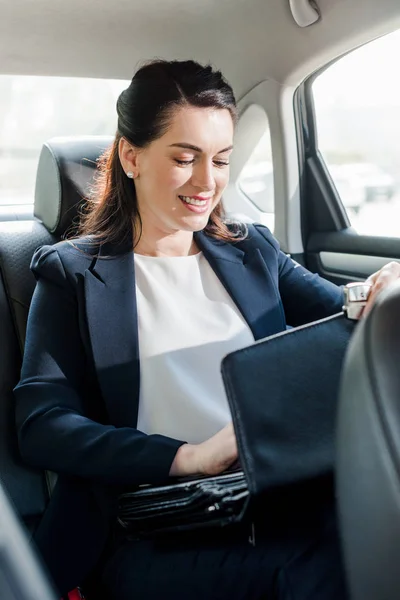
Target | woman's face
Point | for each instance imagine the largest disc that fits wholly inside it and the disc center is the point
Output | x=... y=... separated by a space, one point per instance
x=181 y=176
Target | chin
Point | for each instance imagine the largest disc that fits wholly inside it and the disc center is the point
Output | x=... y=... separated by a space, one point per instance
x=196 y=223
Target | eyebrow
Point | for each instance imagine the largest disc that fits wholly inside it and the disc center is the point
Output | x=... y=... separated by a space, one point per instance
x=196 y=148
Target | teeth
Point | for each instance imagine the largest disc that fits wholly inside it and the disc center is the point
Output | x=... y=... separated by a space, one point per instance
x=193 y=201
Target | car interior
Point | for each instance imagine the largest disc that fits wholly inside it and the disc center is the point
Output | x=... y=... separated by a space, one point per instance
x=316 y=159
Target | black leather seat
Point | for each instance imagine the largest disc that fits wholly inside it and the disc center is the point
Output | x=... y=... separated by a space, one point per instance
x=368 y=442
x=65 y=173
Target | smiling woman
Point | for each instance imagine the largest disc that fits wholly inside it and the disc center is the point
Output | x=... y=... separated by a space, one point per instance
x=175 y=134
x=188 y=179
x=121 y=383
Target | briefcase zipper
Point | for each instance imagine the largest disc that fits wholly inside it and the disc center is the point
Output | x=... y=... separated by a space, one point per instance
x=252 y=536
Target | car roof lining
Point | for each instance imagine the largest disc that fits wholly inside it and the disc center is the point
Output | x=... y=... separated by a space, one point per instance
x=249 y=40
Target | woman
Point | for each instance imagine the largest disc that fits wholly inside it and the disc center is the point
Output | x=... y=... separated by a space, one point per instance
x=159 y=287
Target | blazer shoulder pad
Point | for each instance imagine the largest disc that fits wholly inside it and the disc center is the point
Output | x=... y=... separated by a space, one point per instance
x=267 y=235
x=62 y=262
x=46 y=264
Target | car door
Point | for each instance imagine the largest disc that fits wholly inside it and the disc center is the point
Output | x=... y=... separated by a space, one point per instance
x=349 y=147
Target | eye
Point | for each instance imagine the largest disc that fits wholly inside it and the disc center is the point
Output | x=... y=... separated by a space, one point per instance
x=184 y=163
x=221 y=163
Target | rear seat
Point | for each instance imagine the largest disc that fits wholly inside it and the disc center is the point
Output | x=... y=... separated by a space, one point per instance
x=65 y=173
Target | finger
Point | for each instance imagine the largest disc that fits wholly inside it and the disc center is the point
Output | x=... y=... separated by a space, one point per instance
x=393 y=268
x=372 y=278
x=384 y=278
x=369 y=305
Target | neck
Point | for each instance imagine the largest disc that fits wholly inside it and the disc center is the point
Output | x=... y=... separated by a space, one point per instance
x=161 y=243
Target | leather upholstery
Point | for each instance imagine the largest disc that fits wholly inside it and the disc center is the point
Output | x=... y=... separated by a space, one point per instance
x=18 y=241
x=25 y=486
x=368 y=461
x=65 y=174
x=61 y=181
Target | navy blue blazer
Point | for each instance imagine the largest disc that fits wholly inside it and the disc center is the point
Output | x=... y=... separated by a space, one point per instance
x=77 y=400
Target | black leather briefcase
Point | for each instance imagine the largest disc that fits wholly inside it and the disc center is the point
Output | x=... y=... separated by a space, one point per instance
x=282 y=392
x=187 y=504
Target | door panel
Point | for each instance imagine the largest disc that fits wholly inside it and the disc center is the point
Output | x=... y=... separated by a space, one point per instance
x=344 y=256
x=351 y=264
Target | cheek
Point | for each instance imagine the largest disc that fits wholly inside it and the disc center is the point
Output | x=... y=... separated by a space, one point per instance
x=174 y=178
x=222 y=180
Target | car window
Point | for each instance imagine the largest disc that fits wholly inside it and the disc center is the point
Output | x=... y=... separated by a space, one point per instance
x=357 y=107
x=35 y=109
x=256 y=180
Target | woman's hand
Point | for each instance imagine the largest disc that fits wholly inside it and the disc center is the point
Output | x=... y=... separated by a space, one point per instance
x=381 y=280
x=211 y=457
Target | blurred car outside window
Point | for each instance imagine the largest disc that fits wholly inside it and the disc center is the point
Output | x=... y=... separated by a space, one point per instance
x=357 y=108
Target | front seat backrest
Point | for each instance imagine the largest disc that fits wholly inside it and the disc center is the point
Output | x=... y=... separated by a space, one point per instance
x=368 y=453
x=65 y=172
x=21 y=575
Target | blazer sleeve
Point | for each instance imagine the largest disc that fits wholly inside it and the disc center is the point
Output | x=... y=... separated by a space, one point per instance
x=53 y=431
x=306 y=296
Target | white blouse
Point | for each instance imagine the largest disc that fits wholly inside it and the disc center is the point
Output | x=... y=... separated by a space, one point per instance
x=187 y=323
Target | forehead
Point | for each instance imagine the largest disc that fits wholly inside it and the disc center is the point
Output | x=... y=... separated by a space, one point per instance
x=209 y=129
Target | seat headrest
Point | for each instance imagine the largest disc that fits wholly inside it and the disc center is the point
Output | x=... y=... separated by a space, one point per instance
x=66 y=170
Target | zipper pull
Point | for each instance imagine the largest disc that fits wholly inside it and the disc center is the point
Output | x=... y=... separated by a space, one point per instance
x=252 y=536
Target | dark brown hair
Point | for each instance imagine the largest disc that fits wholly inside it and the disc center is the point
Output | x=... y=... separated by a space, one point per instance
x=144 y=112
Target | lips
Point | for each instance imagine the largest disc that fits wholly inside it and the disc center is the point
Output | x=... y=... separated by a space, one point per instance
x=195 y=200
x=196 y=204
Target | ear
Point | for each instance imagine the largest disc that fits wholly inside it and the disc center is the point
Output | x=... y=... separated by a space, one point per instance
x=128 y=156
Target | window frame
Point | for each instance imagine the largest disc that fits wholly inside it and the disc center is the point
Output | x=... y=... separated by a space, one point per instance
x=320 y=176
x=324 y=209
x=325 y=225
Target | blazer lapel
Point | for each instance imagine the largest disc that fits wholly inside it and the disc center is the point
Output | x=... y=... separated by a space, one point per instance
x=246 y=277
x=112 y=320
x=111 y=312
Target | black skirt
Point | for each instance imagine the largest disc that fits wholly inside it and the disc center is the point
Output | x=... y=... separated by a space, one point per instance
x=290 y=552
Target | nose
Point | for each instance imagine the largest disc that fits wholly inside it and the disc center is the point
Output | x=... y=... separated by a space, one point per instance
x=203 y=176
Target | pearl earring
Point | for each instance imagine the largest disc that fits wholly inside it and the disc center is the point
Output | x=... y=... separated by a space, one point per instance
x=130 y=174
